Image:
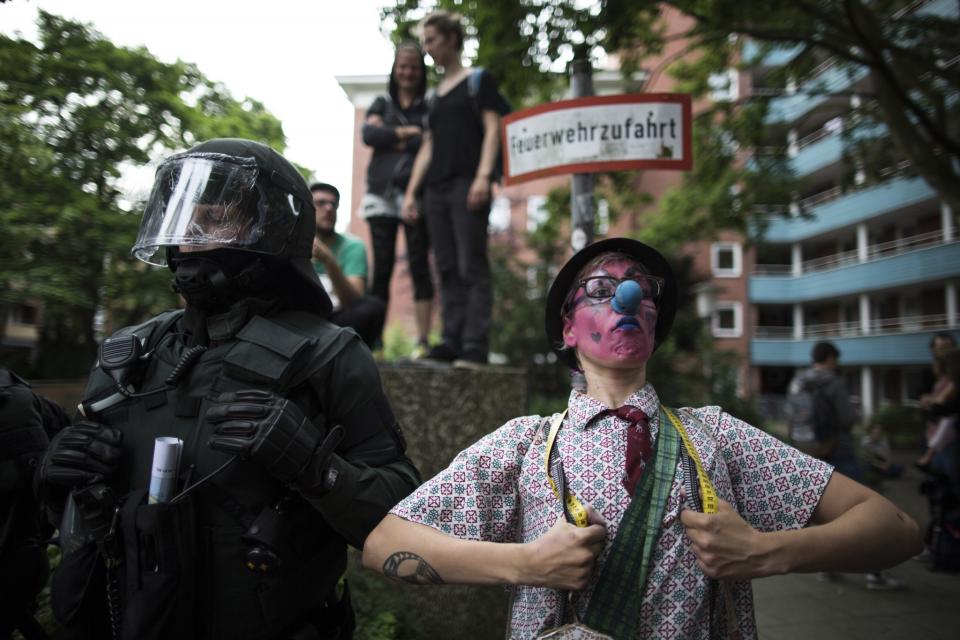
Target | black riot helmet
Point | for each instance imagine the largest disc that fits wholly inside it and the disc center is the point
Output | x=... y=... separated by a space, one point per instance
x=239 y=197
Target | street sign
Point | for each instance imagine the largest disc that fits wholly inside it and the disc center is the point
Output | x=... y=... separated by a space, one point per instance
x=598 y=133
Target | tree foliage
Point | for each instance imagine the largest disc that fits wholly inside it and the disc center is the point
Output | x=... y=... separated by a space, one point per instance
x=906 y=50
x=76 y=111
x=909 y=53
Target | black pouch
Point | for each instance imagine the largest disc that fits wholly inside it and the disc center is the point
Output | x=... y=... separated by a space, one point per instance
x=78 y=578
x=159 y=569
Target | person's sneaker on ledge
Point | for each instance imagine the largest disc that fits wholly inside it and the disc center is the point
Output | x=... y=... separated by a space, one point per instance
x=471 y=360
x=440 y=354
x=880 y=581
x=420 y=351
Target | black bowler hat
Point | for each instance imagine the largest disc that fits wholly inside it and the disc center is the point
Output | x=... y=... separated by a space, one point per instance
x=646 y=255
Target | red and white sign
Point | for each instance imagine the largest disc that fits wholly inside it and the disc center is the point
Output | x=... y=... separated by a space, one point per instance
x=598 y=133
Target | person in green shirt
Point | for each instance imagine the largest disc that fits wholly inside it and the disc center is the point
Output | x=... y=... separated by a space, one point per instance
x=340 y=261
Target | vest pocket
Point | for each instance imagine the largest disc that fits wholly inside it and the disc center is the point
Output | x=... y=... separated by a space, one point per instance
x=160 y=559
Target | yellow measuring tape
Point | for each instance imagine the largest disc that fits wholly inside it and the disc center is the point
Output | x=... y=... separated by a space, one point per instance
x=708 y=498
x=576 y=509
x=708 y=495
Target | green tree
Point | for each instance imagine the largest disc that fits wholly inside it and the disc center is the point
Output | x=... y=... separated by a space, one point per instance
x=75 y=112
x=908 y=54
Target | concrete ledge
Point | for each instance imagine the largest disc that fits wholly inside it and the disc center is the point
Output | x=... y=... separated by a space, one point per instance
x=442 y=410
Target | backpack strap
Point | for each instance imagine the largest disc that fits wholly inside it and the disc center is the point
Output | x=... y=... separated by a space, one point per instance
x=473 y=89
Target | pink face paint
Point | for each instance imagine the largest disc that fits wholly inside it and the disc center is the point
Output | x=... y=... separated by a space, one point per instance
x=605 y=337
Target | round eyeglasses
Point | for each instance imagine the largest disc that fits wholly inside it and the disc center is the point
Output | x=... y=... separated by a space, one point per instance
x=601 y=288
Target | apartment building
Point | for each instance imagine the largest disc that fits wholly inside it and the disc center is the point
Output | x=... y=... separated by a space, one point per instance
x=874 y=268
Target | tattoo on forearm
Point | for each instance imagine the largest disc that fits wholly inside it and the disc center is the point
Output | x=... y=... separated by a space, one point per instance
x=422 y=573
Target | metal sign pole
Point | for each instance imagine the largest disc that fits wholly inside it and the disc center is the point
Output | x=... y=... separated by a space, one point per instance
x=581 y=184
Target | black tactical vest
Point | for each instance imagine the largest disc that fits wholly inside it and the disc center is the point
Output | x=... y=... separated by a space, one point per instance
x=224 y=598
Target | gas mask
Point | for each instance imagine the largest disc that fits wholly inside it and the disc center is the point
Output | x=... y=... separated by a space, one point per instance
x=212 y=281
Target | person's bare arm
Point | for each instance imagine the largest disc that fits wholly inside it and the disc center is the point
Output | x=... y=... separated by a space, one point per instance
x=562 y=558
x=348 y=289
x=852 y=529
x=420 y=166
x=479 y=194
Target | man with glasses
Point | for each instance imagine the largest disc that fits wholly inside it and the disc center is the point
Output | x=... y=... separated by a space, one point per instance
x=636 y=519
x=340 y=260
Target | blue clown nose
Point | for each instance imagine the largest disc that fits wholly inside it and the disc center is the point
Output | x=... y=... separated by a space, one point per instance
x=627 y=298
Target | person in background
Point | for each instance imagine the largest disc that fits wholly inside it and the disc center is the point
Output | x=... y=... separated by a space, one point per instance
x=393 y=129
x=454 y=169
x=943 y=407
x=27 y=422
x=876 y=445
x=340 y=261
x=606 y=498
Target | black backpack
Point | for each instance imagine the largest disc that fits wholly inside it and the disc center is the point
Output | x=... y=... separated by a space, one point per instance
x=502 y=107
x=811 y=418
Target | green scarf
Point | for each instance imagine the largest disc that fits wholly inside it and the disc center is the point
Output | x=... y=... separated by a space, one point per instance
x=615 y=604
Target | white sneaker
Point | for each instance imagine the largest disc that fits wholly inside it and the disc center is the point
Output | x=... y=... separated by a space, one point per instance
x=884 y=582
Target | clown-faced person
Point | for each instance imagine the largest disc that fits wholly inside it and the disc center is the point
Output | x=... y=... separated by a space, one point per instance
x=667 y=513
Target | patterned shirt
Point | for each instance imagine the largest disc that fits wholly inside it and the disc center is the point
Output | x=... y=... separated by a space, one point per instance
x=497 y=490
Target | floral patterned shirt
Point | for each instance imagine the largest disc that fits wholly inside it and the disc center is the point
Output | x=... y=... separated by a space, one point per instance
x=497 y=490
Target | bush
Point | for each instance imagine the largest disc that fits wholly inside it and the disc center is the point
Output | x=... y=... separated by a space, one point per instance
x=903 y=425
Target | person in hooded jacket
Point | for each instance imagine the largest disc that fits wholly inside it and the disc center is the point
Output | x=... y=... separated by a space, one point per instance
x=289 y=449
x=393 y=128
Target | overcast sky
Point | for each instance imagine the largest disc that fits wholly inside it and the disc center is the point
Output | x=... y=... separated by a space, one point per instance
x=284 y=53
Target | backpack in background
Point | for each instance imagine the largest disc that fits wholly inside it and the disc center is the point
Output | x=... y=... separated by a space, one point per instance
x=810 y=417
x=502 y=107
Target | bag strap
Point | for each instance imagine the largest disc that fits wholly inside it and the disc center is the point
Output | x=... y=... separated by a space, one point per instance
x=615 y=604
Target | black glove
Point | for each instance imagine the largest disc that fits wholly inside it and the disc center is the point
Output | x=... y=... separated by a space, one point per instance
x=265 y=427
x=81 y=454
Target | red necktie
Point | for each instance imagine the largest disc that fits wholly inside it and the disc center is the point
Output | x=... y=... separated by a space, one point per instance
x=638 y=443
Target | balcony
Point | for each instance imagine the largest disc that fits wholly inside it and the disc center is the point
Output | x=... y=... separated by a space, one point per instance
x=878 y=327
x=833 y=209
x=824 y=83
x=892 y=348
x=776 y=57
x=902 y=263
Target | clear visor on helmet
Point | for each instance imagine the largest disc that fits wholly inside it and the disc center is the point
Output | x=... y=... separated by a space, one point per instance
x=203 y=201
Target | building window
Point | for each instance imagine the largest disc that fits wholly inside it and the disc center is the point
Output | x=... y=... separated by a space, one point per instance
x=727 y=321
x=499 y=220
x=724 y=86
x=726 y=259
x=536 y=212
x=603 y=217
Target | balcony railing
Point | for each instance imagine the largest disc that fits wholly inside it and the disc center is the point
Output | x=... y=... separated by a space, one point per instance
x=820 y=198
x=846 y=258
x=878 y=327
x=816 y=136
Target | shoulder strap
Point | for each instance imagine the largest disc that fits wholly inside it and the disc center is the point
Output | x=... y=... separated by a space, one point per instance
x=473 y=82
x=573 y=510
x=153 y=330
x=614 y=607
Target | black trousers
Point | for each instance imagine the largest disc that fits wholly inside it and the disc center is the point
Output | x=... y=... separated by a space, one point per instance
x=383 y=237
x=365 y=316
x=459 y=239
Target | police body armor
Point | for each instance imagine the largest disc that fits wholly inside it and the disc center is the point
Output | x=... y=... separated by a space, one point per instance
x=201 y=567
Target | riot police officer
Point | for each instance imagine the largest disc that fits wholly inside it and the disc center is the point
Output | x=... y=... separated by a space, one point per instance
x=289 y=447
x=27 y=421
